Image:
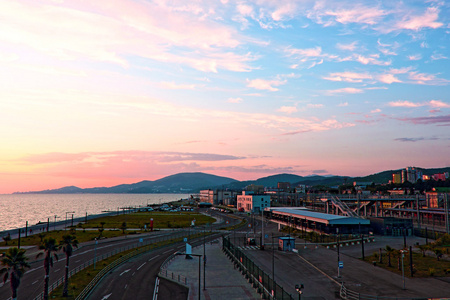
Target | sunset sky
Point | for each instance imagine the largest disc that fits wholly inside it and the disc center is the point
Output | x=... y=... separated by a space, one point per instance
x=99 y=93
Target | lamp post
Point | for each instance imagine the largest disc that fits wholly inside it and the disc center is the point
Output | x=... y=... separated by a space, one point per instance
x=54 y=224
x=95 y=251
x=298 y=288
x=199 y=269
x=403 y=269
x=65 y=223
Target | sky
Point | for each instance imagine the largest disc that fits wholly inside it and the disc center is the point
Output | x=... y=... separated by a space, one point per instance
x=100 y=93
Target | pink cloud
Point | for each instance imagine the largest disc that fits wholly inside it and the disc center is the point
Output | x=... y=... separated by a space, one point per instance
x=431 y=103
x=417 y=22
x=111 y=33
x=235 y=100
x=262 y=84
x=345 y=91
x=287 y=109
x=348 y=47
x=388 y=78
x=348 y=76
x=415 y=57
x=404 y=104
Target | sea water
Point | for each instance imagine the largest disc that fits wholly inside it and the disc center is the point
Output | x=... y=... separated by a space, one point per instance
x=17 y=209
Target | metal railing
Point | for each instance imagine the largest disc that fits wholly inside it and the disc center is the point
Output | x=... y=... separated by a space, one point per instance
x=347 y=294
x=256 y=275
x=163 y=272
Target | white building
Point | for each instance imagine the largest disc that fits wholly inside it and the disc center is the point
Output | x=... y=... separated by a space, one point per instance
x=253 y=202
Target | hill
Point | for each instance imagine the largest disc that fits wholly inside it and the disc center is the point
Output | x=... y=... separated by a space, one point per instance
x=194 y=182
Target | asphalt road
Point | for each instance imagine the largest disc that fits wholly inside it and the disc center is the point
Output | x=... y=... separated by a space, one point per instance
x=135 y=279
x=32 y=282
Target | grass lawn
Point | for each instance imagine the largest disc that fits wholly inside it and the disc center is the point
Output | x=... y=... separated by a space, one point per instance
x=134 y=222
x=424 y=266
x=160 y=220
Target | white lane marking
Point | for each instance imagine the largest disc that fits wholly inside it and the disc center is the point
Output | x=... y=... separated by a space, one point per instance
x=170 y=250
x=35 y=282
x=154 y=257
x=78 y=260
x=126 y=286
x=133 y=273
x=124 y=272
x=141 y=266
x=57 y=270
x=106 y=296
x=31 y=270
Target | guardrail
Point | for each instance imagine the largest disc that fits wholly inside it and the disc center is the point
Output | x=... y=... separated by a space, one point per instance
x=347 y=294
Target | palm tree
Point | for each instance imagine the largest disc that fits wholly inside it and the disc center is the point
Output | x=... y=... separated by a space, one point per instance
x=7 y=239
x=67 y=243
x=50 y=248
x=389 y=251
x=14 y=263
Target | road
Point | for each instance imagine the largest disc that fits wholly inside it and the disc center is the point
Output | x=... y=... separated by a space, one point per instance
x=32 y=282
x=135 y=279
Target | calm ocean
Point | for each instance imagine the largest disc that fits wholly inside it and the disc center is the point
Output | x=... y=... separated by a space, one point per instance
x=16 y=209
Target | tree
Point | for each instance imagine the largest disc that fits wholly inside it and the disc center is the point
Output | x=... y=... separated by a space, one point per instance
x=123 y=227
x=50 y=248
x=389 y=251
x=7 y=238
x=14 y=264
x=67 y=243
x=41 y=236
x=424 y=249
x=438 y=253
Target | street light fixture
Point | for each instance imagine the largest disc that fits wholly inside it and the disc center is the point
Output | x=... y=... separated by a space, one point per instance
x=298 y=288
x=199 y=268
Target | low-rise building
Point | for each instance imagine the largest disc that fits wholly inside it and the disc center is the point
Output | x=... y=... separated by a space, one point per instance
x=254 y=203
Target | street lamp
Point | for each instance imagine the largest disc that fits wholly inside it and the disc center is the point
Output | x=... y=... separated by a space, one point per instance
x=65 y=223
x=54 y=224
x=199 y=268
x=298 y=288
x=95 y=251
x=403 y=269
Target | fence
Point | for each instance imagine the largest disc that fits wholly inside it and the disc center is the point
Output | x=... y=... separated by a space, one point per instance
x=347 y=294
x=171 y=275
x=257 y=276
x=79 y=268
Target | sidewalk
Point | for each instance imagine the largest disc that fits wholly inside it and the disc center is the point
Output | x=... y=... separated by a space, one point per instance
x=223 y=281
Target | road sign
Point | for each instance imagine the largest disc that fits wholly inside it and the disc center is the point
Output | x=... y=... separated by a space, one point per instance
x=266 y=236
x=341 y=265
x=185 y=240
x=141 y=240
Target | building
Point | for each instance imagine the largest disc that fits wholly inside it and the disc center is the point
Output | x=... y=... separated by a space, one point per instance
x=208 y=196
x=254 y=203
x=397 y=178
x=284 y=186
x=257 y=189
x=217 y=197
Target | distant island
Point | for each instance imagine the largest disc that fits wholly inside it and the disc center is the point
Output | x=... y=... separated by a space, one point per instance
x=194 y=182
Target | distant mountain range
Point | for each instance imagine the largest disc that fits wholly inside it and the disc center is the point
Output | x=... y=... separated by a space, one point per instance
x=194 y=182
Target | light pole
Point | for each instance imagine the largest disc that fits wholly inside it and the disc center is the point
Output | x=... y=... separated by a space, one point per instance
x=65 y=223
x=199 y=269
x=95 y=251
x=298 y=288
x=54 y=224
x=338 y=258
x=403 y=269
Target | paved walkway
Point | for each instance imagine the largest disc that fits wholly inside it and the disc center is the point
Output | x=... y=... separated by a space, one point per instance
x=223 y=281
